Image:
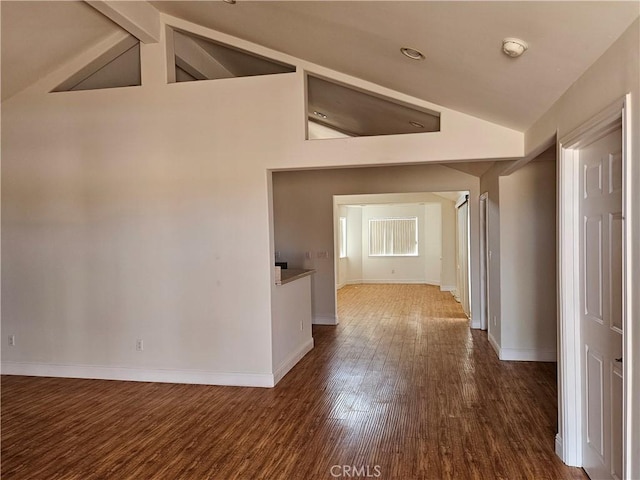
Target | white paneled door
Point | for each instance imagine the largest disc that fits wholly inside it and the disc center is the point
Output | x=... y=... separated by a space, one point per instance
x=601 y=305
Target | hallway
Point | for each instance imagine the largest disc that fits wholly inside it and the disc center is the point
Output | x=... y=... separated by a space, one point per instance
x=401 y=388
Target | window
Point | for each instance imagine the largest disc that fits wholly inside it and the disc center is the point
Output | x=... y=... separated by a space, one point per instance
x=343 y=237
x=390 y=237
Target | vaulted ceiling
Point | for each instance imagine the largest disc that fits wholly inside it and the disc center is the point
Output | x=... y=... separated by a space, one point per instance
x=464 y=68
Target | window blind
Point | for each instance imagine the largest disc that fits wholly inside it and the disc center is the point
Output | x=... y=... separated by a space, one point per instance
x=393 y=237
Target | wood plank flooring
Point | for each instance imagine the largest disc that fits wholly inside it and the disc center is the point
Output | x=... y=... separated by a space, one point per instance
x=400 y=389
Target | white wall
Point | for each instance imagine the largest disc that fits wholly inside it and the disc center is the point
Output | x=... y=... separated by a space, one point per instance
x=522 y=265
x=448 y=273
x=528 y=262
x=343 y=263
x=423 y=268
x=144 y=212
x=353 y=262
x=122 y=222
x=612 y=76
x=489 y=183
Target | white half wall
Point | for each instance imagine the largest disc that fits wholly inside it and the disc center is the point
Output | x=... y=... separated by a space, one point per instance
x=291 y=324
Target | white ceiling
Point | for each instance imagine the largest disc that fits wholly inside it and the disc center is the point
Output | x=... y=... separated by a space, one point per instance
x=464 y=70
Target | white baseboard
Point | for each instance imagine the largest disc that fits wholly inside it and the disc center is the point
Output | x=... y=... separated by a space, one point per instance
x=291 y=362
x=527 y=355
x=341 y=285
x=324 y=320
x=447 y=288
x=559 y=447
x=522 y=354
x=395 y=281
x=138 y=374
x=494 y=344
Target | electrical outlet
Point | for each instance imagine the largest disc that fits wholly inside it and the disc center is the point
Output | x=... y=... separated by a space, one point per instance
x=139 y=345
x=12 y=340
x=495 y=321
x=301 y=325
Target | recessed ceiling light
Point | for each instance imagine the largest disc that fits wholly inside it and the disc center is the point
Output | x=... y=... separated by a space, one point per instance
x=412 y=53
x=416 y=124
x=319 y=114
x=231 y=2
x=514 y=47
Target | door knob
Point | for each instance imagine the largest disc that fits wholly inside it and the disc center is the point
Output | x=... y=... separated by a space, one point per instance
x=619 y=360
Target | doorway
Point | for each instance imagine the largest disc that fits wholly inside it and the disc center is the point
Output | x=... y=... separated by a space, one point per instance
x=463 y=289
x=593 y=270
x=363 y=222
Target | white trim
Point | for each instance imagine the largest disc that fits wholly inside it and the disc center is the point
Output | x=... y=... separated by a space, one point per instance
x=324 y=320
x=630 y=407
x=475 y=325
x=291 y=362
x=483 y=209
x=494 y=344
x=521 y=354
x=569 y=332
x=443 y=288
x=527 y=355
x=395 y=281
x=101 y=372
x=569 y=337
x=559 y=446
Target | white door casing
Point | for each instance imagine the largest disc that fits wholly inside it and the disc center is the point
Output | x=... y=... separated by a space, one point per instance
x=600 y=247
x=462 y=265
x=569 y=445
x=484 y=262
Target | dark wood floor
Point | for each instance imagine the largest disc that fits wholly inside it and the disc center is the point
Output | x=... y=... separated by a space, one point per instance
x=401 y=387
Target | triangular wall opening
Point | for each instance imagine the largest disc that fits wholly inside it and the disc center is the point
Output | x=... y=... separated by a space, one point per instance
x=117 y=67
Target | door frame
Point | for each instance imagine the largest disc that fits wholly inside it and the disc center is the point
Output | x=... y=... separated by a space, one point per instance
x=570 y=395
x=484 y=261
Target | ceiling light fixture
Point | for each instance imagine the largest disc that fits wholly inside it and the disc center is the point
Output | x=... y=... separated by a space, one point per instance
x=416 y=124
x=230 y=2
x=514 y=47
x=412 y=53
x=319 y=114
